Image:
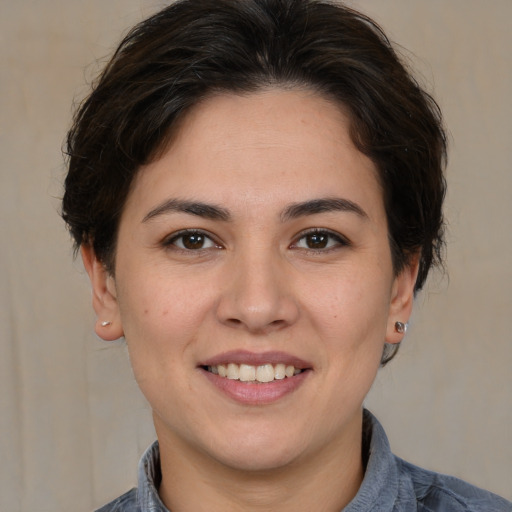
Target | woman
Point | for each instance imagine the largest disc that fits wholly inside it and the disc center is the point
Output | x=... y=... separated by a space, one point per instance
x=256 y=189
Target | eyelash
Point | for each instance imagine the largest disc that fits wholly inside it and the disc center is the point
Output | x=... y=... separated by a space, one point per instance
x=339 y=240
x=170 y=241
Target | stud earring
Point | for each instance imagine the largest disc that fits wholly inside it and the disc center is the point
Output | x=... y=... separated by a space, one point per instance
x=106 y=323
x=401 y=327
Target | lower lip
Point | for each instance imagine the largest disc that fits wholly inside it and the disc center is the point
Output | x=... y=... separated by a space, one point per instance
x=257 y=393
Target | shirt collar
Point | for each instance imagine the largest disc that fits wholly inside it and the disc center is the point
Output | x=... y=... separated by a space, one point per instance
x=379 y=489
x=149 y=481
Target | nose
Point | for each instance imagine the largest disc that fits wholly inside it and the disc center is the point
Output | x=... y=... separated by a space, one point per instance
x=257 y=295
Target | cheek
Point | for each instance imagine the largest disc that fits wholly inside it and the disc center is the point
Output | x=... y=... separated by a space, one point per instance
x=158 y=329
x=161 y=316
x=350 y=301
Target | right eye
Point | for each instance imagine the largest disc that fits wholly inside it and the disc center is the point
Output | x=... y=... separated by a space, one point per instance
x=191 y=240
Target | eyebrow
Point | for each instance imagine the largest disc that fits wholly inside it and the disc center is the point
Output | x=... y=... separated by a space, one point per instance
x=293 y=211
x=204 y=210
x=329 y=204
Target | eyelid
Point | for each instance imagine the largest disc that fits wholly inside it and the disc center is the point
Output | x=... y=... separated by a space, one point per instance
x=169 y=240
x=341 y=240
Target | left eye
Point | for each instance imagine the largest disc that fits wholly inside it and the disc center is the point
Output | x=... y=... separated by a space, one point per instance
x=319 y=240
x=191 y=241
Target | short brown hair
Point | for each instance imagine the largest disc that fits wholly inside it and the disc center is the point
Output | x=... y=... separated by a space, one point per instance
x=193 y=48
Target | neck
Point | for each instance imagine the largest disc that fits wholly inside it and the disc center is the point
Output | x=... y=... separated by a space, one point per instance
x=325 y=481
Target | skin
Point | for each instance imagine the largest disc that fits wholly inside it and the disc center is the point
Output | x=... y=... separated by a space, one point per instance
x=256 y=285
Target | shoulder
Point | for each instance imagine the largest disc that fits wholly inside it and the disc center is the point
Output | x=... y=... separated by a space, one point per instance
x=392 y=484
x=438 y=492
x=125 y=503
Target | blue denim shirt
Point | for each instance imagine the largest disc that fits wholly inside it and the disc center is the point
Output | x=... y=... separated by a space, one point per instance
x=389 y=485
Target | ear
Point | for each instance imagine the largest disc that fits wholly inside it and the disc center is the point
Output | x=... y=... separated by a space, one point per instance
x=104 y=298
x=402 y=297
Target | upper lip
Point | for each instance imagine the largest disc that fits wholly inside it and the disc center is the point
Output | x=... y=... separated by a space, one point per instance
x=256 y=359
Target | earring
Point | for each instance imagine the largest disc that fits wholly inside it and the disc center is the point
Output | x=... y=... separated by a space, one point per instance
x=106 y=323
x=401 y=327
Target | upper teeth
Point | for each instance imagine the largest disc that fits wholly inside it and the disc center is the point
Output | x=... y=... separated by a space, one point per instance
x=249 y=373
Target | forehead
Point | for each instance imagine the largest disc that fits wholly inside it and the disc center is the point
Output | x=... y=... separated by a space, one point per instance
x=264 y=119
x=277 y=142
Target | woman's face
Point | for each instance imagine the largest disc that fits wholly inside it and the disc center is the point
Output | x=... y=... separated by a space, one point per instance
x=257 y=245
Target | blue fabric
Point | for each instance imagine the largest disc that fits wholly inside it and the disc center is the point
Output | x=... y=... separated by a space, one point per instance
x=390 y=485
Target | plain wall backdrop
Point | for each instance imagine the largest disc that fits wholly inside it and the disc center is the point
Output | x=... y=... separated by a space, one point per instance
x=72 y=422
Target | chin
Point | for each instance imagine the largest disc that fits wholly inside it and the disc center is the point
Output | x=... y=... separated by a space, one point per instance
x=257 y=451
x=257 y=460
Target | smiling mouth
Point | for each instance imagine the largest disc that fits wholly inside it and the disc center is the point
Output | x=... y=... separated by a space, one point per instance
x=249 y=373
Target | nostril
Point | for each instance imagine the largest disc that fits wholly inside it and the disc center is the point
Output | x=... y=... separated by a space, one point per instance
x=256 y=312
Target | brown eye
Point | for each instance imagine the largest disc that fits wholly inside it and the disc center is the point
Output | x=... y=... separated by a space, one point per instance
x=317 y=240
x=191 y=241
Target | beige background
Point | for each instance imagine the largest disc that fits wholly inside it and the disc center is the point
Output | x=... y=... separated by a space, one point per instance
x=72 y=422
